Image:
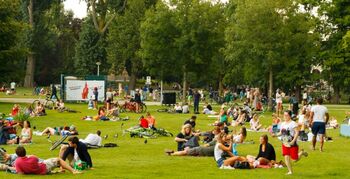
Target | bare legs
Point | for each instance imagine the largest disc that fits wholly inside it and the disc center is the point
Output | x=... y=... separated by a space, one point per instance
x=321 y=142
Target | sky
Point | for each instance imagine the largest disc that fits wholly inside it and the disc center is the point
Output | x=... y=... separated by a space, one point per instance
x=79 y=7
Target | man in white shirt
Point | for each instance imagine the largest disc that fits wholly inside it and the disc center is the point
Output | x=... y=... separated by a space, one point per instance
x=13 y=87
x=318 y=119
x=93 y=139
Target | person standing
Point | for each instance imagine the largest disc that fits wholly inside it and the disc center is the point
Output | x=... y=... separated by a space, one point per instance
x=13 y=87
x=279 y=102
x=53 y=92
x=196 y=98
x=95 y=96
x=289 y=133
x=318 y=119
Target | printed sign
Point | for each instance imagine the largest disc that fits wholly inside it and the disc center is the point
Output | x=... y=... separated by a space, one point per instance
x=82 y=90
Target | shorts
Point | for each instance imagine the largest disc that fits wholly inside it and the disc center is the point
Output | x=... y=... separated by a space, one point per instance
x=291 y=151
x=193 y=151
x=51 y=164
x=318 y=128
x=220 y=162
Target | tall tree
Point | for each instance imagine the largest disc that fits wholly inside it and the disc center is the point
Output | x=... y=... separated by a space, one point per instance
x=11 y=52
x=124 y=39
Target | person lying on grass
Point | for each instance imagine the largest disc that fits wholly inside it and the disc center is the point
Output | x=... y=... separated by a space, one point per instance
x=205 y=150
x=31 y=165
x=93 y=139
x=7 y=161
x=58 y=131
x=75 y=151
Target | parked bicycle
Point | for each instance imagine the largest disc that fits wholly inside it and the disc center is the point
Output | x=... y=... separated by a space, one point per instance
x=48 y=103
x=130 y=106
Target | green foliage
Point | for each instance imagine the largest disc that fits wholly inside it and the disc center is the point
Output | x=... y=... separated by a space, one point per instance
x=89 y=50
x=184 y=36
x=11 y=51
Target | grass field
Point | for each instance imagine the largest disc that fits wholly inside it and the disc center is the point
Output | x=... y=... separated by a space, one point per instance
x=135 y=159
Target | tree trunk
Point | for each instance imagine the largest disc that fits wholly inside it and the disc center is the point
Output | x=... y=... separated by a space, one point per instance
x=270 y=88
x=221 y=88
x=337 y=95
x=30 y=68
x=132 y=82
x=298 y=93
x=184 y=86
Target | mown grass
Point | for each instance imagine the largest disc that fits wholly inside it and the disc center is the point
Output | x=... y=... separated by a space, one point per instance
x=135 y=159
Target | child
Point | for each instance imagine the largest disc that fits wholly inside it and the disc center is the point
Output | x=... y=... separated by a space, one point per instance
x=91 y=103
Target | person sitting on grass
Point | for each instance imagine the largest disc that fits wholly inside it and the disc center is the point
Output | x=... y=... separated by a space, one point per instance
x=276 y=124
x=255 y=123
x=185 y=135
x=101 y=114
x=178 y=108
x=223 y=118
x=40 y=110
x=143 y=122
x=60 y=105
x=208 y=110
x=31 y=165
x=191 y=121
x=266 y=157
x=4 y=132
x=14 y=110
x=114 y=111
x=240 y=119
x=151 y=121
x=205 y=150
x=93 y=139
x=26 y=135
x=75 y=151
x=185 y=108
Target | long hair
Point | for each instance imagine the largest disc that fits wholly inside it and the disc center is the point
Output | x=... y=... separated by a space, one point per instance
x=184 y=127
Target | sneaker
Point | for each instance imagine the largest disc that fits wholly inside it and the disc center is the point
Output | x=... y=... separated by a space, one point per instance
x=227 y=167
x=169 y=152
x=305 y=154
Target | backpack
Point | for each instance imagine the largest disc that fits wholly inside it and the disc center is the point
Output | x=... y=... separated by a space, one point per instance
x=241 y=165
x=110 y=145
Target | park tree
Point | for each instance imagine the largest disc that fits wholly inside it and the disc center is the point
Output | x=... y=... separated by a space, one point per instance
x=270 y=42
x=335 y=56
x=188 y=37
x=124 y=39
x=11 y=52
x=33 y=13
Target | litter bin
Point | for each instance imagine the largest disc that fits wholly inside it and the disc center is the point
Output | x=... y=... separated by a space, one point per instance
x=169 y=98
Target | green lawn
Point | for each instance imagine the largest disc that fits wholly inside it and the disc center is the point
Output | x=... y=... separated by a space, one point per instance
x=134 y=159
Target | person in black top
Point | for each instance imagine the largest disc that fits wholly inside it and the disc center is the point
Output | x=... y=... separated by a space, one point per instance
x=191 y=121
x=137 y=99
x=183 y=136
x=196 y=98
x=53 y=92
x=267 y=153
x=68 y=151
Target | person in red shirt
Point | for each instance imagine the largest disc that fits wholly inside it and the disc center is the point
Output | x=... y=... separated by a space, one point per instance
x=31 y=164
x=143 y=122
x=151 y=121
x=15 y=110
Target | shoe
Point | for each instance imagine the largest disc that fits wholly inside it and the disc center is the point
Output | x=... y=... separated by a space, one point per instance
x=106 y=136
x=305 y=154
x=169 y=152
x=289 y=173
x=227 y=167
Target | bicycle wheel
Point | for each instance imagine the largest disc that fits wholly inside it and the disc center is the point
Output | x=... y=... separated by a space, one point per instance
x=35 y=104
x=49 y=104
x=143 y=108
x=59 y=142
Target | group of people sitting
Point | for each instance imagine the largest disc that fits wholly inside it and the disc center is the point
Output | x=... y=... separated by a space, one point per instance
x=8 y=132
x=184 y=109
x=76 y=151
x=222 y=144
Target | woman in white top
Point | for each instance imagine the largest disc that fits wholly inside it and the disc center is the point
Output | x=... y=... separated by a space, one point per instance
x=289 y=135
x=255 y=123
x=220 y=148
x=279 y=107
x=26 y=134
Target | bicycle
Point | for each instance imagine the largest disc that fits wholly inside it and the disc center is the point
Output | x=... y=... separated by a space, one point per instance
x=169 y=109
x=131 y=107
x=138 y=131
x=48 y=103
x=162 y=132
